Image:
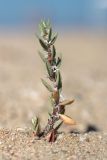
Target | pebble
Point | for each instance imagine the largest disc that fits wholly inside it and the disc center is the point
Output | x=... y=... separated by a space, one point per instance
x=1 y=142
x=81 y=139
x=60 y=136
x=100 y=137
x=10 y=146
x=20 y=130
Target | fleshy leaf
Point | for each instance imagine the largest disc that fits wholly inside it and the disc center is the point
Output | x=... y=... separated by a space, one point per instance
x=47 y=85
x=58 y=124
x=44 y=24
x=54 y=38
x=49 y=114
x=48 y=68
x=67 y=119
x=53 y=52
x=50 y=34
x=37 y=130
x=42 y=42
x=59 y=60
x=52 y=101
x=55 y=96
x=36 y=126
x=34 y=121
x=43 y=28
x=59 y=80
x=66 y=102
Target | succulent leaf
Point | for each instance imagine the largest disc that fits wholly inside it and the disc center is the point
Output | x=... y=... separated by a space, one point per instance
x=49 y=69
x=53 y=52
x=58 y=124
x=42 y=42
x=54 y=38
x=44 y=24
x=66 y=102
x=52 y=101
x=49 y=34
x=67 y=119
x=34 y=122
x=36 y=126
x=59 y=80
x=49 y=114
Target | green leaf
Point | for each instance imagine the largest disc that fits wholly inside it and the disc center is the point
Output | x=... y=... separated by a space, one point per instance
x=53 y=52
x=34 y=122
x=59 y=60
x=47 y=85
x=43 y=28
x=36 y=125
x=52 y=101
x=37 y=129
x=58 y=64
x=59 y=80
x=49 y=69
x=43 y=23
x=42 y=42
x=42 y=56
x=66 y=102
x=58 y=124
x=54 y=38
x=50 y=34
x=49 y=114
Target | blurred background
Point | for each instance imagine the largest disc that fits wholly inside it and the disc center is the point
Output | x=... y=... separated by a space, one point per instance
x=82 y=28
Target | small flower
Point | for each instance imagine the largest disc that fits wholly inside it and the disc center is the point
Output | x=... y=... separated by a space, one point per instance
x=54 y=68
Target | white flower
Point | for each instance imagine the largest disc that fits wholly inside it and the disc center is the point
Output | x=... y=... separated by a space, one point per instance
x=54 y=68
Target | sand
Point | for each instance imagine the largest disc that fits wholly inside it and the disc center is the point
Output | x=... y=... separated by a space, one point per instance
x=19 y=144
x=22 y=96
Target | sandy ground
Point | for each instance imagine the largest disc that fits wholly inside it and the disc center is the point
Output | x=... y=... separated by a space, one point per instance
x=18 y=144
x=22 y=96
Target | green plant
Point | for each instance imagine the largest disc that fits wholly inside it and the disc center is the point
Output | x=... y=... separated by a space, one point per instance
x=52 y=62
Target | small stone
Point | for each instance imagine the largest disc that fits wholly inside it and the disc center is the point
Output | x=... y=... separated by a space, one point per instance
x=12 y=138
x=37 y=138
x=87 y=140
x=100 y=137
x=60 y=136
x=20 y=130
x=12 y=152
x=1 y=142
x=82 y=139
x=10 y=146
x=32 y=141
x=73 y=157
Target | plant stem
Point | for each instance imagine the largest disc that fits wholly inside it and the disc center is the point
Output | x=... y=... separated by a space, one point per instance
x=52 y=62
